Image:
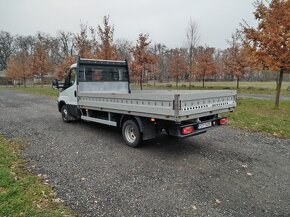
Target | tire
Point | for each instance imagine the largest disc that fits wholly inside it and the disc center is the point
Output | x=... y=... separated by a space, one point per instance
x=65 y=114
x=131 y=133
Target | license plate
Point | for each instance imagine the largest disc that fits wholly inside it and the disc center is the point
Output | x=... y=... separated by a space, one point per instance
x=204 y=125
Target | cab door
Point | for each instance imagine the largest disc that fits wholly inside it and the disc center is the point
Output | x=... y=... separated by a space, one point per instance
x=68 y=93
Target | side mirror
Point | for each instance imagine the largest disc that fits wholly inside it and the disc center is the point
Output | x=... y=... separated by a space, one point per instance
x=55 y=84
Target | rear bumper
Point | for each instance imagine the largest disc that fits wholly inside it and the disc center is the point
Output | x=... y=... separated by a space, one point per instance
x=177 y=129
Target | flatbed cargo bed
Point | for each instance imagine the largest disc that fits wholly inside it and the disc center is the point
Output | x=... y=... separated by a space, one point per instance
x=173 y=105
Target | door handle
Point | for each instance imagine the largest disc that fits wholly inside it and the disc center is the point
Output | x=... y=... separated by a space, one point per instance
x=75 y=93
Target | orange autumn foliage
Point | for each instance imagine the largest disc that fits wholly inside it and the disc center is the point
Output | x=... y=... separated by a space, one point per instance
x=18 y=67
x=62 y=67
x=269 y=43
x=141 y=58
x=40 y=63
x=206 y=64
x=177 y=65
x=107 y=49
x=235 y=58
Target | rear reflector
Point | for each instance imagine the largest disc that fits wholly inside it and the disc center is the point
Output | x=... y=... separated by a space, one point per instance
x=187 y=130
x=223 y=121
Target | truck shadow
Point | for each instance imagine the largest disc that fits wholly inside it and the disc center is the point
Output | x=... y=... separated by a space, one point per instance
x=162 y=143
x=164 y=146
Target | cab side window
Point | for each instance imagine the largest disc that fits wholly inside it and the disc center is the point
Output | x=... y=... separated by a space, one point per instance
x=73 y=75
x=70 y=78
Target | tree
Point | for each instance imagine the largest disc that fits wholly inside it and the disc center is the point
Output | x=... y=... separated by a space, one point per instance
x=7 y=48
x=85 y=46
x=123 y=49
x=23 y=70
x=11 y=70
x=18 y=67
x=153 y=66
x=25 y=43
x=66 y=43
x=141 y=57
x=162 y=62
x=192 y=36
x=269 y=42
x=107 y=49
x=206 y=65
x=177 y=65
x=235 y=58
x=40 y=63
x=65 y=63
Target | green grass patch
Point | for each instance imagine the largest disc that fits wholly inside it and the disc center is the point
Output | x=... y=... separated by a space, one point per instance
x=261 y=116
x=36 y=90
x=268 y=88
x=21 y=193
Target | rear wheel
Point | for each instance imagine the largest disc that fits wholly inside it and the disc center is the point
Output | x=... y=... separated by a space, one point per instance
x=65 y=114
x=131 y=133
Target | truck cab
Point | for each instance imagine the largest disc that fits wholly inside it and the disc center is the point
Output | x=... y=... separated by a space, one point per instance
x=91 y=76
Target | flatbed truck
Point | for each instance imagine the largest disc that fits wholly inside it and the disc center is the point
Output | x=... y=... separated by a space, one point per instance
x=99 y=91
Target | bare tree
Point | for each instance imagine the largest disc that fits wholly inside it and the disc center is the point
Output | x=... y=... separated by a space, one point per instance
x=66 y=43
x=25 y=44
x=192 y=37
x=7 y=48
x=123 y=49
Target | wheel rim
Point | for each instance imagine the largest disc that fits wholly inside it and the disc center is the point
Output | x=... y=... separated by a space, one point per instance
x=130 y=134
x=65 y=114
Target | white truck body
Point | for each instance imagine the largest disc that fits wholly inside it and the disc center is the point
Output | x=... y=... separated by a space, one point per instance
x=99 y=91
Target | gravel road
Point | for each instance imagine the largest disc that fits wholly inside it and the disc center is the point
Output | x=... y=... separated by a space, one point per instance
x=226 y=172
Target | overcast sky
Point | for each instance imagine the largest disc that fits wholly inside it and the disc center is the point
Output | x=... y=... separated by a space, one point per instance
x=164 y=20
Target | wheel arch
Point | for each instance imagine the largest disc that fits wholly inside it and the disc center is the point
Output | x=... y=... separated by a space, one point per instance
x=147 y=129
x=60 y=105
x=130 y=117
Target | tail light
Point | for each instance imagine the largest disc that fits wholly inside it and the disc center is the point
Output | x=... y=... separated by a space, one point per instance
x=223 y=121
x=187 y=130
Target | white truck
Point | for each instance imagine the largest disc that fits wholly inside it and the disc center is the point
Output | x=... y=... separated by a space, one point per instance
x=99 y=91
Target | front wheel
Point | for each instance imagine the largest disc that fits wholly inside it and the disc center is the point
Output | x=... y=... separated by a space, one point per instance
x=131 y=133
x=65 y=114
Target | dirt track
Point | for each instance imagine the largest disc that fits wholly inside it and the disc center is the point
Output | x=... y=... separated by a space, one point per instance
x=225 y=172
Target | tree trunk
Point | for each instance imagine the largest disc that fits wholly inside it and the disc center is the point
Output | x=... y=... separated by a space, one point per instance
x=141 y=81
x=190 y=77
x=176 y=81
x=203 y=80
x=278 y=89
x=41 y=80
x=238 y=82
x=24 y=82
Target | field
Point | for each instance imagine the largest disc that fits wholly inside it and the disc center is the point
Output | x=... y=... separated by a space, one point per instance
x=268 y=88
x=260 y=116
x=254 y=115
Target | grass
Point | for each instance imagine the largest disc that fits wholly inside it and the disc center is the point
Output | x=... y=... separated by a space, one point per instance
x=268 y=88
x=36 y=90
x=260 y=116
x=21 y=193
